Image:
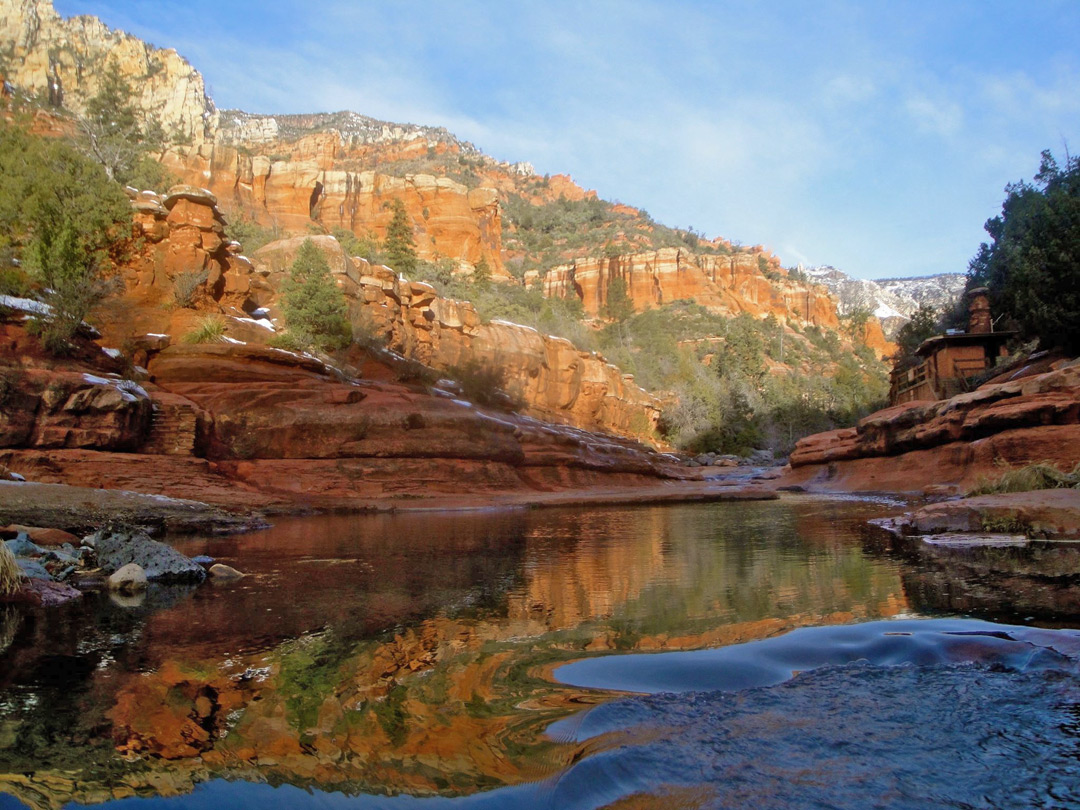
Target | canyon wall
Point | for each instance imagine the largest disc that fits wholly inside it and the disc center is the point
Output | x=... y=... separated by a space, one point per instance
x=182 y=234
x=245 y=426
x=553 y=379
x=725 y=284
x=322 y=179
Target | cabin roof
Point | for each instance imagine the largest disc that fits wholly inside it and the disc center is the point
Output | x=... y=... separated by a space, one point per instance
x=939 y=342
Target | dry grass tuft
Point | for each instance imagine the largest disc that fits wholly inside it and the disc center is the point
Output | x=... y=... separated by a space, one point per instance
x=1039 y=475
x=9 y=571
x=210 y=329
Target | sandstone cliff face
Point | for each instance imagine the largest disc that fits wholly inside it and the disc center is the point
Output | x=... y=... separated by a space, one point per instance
x=321 y=179
x=182 y=234
x=63 y=60
x=950 y=443
x=180 y=241
x=725 y=284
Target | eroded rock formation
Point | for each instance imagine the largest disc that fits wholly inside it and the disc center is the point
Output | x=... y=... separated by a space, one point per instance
x=246 y=426
x=320 y=178
x=183 y=249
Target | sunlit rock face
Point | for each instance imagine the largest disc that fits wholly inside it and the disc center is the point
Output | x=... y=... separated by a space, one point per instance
x=552 y=378
x=60 y=59
x=727 y=284
x=319 y=179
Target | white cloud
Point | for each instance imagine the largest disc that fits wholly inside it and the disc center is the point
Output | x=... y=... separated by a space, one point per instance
x=934 y=116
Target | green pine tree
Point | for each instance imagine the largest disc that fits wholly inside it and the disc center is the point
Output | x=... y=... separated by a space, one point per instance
x=400 y=247
x=619 y=306
x=59 y=218
x=111 y=133
x=316 y=315
x=482 y=271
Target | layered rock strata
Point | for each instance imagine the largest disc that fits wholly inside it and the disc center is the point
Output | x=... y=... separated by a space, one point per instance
x=949 y=444
x=183 y=248
x=320 y=179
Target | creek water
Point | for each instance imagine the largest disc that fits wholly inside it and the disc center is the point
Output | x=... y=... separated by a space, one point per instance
x=775 y=654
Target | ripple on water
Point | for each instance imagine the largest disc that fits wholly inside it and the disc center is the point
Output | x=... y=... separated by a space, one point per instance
x=943 y=713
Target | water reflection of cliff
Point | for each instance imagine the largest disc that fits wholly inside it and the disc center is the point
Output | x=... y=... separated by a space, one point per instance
x=1041 y=582
x=408 y=654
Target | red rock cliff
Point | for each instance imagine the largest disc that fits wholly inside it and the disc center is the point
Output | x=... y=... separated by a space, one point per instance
x=322 y=179
x=725 y=284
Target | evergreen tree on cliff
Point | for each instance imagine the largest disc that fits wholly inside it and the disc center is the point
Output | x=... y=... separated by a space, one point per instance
x=1032 y=263
x=400 y=248
x=316 y=314
x=59 y=218
x=111 y=134
x=923 y=325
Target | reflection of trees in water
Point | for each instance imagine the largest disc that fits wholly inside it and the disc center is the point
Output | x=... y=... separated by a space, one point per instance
x=681 y=570
x=1006 y=584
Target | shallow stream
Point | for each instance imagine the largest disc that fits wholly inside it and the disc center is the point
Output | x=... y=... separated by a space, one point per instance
x=775 y=654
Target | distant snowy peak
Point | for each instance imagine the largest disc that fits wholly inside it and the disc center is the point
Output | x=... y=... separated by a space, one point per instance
x=892 y=300
x=937 y=291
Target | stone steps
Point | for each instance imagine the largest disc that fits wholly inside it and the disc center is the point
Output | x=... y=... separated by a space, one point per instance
x=173 y=430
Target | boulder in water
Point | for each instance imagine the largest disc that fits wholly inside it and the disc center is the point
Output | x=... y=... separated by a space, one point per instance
x=128 y=579
x=160 y=562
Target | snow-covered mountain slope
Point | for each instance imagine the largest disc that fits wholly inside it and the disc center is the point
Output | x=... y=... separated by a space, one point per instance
x=892 y=300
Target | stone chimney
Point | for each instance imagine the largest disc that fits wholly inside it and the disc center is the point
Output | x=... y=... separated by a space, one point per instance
x=979 y=322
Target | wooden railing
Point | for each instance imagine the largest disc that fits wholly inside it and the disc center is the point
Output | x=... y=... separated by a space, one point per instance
x=904 y=381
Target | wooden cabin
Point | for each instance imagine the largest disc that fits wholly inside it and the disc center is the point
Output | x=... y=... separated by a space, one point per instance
x=947 y=363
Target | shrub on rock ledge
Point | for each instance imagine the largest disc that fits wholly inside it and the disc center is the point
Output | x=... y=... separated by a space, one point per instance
x=316 y=315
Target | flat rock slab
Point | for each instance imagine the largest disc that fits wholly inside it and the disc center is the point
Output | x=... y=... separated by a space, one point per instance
x=81 y=509
x=976 y=540
x=1053 y=514
x=42 y=593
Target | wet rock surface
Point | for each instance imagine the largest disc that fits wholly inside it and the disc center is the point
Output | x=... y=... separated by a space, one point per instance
x=158 y=561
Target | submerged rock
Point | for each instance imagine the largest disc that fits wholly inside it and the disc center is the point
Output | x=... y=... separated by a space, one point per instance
x=224 y=573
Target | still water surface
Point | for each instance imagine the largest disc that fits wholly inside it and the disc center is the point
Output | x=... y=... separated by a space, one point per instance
x=473 y=660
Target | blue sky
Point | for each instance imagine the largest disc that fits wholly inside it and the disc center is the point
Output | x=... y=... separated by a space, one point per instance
x=873 y=136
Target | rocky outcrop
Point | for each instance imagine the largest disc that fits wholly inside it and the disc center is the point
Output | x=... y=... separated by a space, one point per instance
x=182 y=247
x=49 y=409
x=1047 y=513
x=553 y=379
x=274 y=430
x=180 y=267
x=950 y=443
x=63 y=61
x=727 y=284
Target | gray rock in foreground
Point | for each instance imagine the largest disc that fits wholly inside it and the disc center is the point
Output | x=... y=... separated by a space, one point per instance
x=162 y=563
